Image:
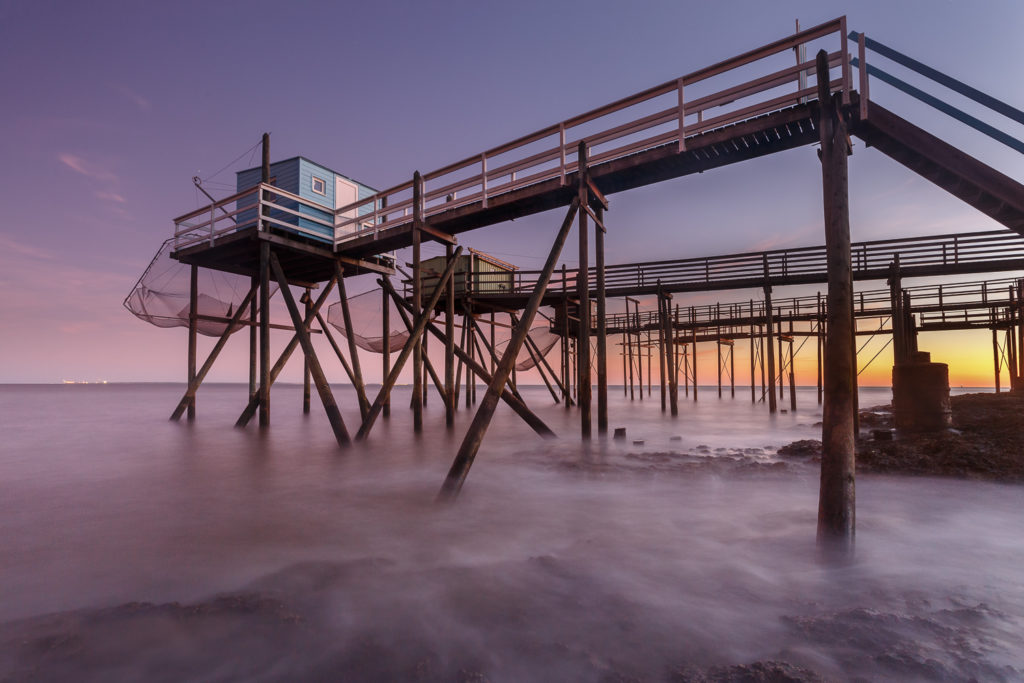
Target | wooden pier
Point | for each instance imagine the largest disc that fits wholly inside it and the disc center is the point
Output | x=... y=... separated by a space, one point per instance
x=271 y=235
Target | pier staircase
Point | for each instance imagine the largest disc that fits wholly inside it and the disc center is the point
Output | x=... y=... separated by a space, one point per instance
x=979 y=185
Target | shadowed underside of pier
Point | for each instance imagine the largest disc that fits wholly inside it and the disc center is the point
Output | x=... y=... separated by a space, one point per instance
x=777 y=132
x=991 y=192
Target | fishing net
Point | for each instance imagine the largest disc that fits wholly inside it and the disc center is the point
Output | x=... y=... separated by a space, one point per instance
x=161 y=296
x=367 y=311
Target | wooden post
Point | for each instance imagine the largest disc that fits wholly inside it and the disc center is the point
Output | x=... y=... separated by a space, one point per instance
x=995 y=354
x=649 y=363
x=602 y=327
x=753 y=358
x=353 y=350
x=198 y=377
x=469 y=348
x=792 y=371
x=264 y=275
x=693 y=321
x=836 y=504
x=718 y=350
x=385 y=361
x=458 y=370
x=670 y=357
x=566 y=373
x=628 y=338
x=769 y=327
x=472 y=366
x=407 y=351
x=254 y=402
x=449 y=347
x=254 y=283
x=583 y=294
x=193 y=329
x=782 y=359
x=417 y=303
x=732 y=369
x=474 y=436
x=639 y=349
x=625 y=368
x=322 y=387
x=661 y=348
x=307 y=300
x=264 y=332
x=821 y=340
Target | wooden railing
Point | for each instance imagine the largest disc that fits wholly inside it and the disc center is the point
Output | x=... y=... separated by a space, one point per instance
x=793 y=265
x=262 y=206
x=978 y=302
x=662 y=115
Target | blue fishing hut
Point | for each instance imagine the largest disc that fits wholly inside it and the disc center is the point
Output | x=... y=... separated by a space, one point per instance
x=316 y=185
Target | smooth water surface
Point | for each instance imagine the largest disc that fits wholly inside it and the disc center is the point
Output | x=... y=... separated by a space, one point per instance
x=289 y=558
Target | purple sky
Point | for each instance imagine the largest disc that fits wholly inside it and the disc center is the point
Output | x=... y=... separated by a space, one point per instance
x=109 y=109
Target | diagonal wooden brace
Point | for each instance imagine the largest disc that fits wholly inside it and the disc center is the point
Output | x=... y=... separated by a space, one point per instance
x=357 y=373
x=201 y=375
x=254 y=400
x=417 y=332
x=507 y=396
x=474 y=437
x=322 y=387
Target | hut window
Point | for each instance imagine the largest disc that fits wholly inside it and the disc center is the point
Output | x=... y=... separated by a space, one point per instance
x=319 y=186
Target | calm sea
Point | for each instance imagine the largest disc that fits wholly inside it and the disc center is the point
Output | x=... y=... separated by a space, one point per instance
x=135 y=548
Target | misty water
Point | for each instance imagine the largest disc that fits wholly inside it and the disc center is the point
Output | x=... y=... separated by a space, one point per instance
x=133 y=548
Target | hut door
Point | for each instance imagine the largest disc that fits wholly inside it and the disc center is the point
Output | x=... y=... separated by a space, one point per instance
x=345 y=193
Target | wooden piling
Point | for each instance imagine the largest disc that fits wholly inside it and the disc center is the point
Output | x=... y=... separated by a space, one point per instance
x=820 y=336
x=255 y=400
x=661 y=350
x=670 y=357
x=417 y=303
x=583 y=295
x=602 y=326
x=189 y=398
x=193 y=329
x=769 y=328
x=264 y=333
x=254 y=283
x=307 y=301
x=449 y=346
x=836 y=503
x=407 y=351
x=385 y=361
x=353 y=349
x=474 y=436
x=319 y=379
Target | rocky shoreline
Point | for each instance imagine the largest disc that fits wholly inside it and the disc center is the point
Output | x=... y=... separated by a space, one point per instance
x=986 y=441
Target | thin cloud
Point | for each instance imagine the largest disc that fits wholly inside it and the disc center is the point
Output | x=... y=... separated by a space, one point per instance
x=80 y=165
x=9 y=245
x=111 y=197
x=135 y=98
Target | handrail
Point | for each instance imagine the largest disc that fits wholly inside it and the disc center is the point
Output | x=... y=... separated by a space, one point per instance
x=953 y=84
x=483 y=179
x=874 y=255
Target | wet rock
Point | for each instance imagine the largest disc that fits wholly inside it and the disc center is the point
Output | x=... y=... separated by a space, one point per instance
x=987 y=442
x=805 y=448
x=757 y=672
